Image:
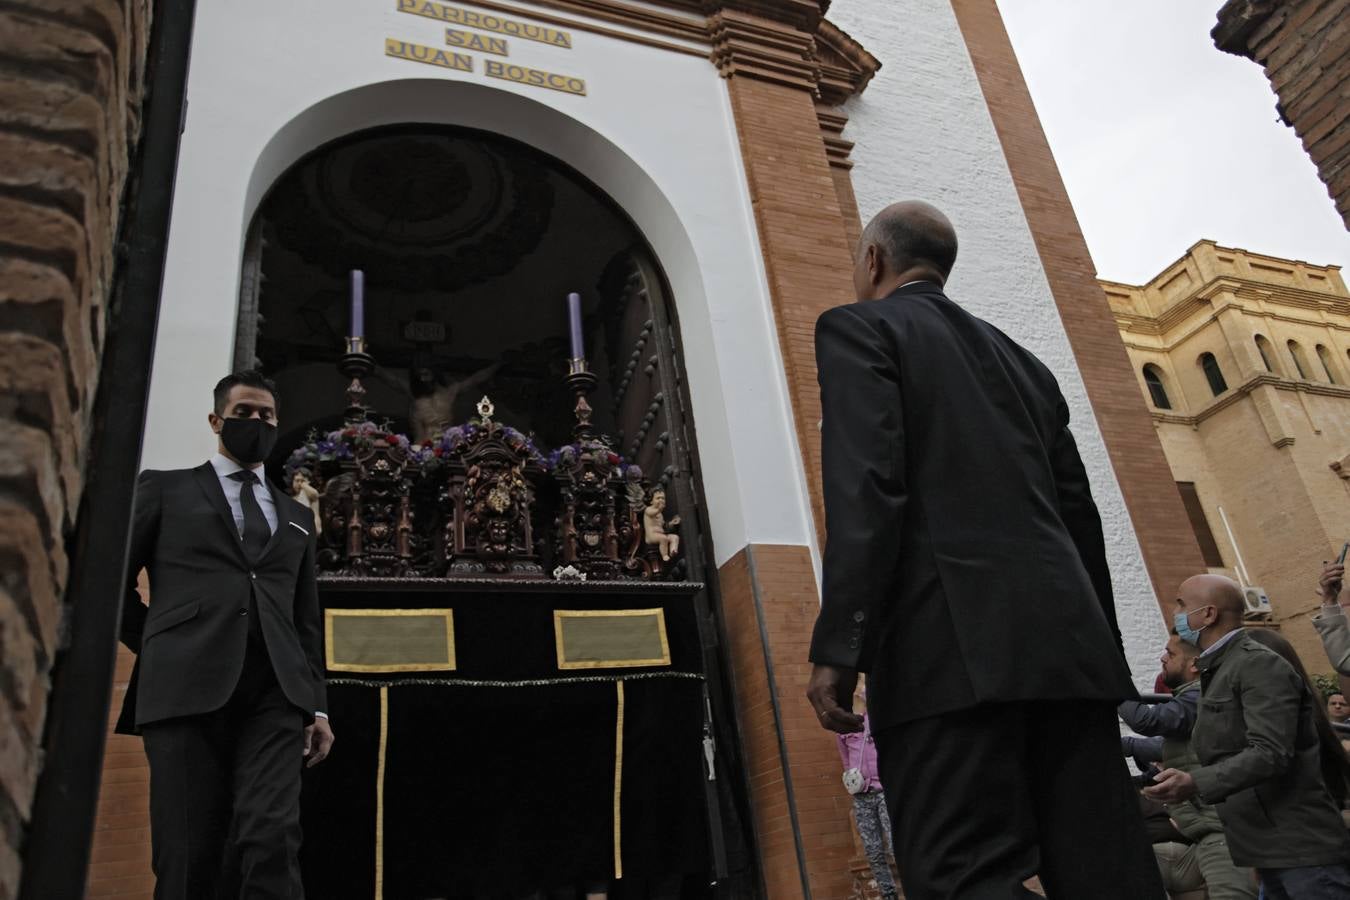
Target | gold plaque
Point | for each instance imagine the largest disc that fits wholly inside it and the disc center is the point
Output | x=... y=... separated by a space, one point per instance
x=389 y=640
x=610 y=639
x=568 y=84
x=432 y=56
x=468 y=18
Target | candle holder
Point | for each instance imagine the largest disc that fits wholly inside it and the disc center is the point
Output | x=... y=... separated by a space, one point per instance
x=356 y=364
x=581 y=380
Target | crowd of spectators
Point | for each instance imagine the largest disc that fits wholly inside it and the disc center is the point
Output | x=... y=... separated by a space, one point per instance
x=1244 y=773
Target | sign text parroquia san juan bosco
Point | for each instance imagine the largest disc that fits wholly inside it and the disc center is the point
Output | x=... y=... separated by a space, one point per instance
x=463 y=40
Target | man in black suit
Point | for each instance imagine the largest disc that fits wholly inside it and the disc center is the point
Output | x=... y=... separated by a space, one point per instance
x=228 y=689
x=965 y=571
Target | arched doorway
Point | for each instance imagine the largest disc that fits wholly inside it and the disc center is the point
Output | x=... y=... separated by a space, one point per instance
x=469 y=244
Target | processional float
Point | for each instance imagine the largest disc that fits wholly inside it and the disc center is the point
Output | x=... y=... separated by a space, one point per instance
x=513 y=660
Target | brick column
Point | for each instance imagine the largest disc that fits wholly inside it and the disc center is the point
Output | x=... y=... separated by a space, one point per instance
x=1304 y=47
x=767 y=53
x=70 y=96
x=1164 y=533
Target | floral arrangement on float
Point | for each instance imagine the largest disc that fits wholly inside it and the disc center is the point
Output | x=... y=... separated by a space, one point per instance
x=346 y=443
x=458 y=438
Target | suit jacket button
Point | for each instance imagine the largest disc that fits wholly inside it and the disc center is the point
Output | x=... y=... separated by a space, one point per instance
x=853 y=643
x=859 y=616
x=243 y=612
x=253 y=575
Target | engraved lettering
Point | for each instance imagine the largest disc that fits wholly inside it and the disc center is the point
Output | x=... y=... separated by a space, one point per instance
x=432 y=56
x=534 y=77
x=472 y=19
x=480 y=42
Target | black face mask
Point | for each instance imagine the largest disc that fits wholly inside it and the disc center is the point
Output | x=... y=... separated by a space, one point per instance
x=248 y=440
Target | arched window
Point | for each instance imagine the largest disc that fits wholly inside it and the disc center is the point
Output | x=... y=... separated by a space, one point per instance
x=1213 y=374
x=1300 y=361
x=1157 y=393
x=1325 y=357
x=1267 y=353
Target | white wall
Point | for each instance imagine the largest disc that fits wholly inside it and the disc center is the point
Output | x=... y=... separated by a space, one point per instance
x=923 y=131
x=271 y=81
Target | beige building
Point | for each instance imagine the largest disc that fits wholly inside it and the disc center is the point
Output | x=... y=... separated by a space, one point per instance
x=1245 y=362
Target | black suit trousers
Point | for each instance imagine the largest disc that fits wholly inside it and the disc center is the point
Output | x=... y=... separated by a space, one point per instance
x=982 y=799
x=225 y=793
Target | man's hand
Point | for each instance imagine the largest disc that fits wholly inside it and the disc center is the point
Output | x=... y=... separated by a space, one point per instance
x=318 y=741
x=1329 y=586
x=1171 y=786
x=831 y=694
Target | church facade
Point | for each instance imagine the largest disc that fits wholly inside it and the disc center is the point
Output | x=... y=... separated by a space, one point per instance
x=711 y=159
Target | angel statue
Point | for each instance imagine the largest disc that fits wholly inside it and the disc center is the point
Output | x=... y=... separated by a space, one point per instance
x=655 y=527
x=308 y=496
x=433 y=399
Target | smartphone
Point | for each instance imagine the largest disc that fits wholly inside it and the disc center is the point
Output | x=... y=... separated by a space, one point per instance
x=1340 y=560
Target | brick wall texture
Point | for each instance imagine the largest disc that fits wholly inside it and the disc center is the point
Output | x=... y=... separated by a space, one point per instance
x=807 y=255
x=70 y=89
x=1304 y=47
x=769 y=606
x=1170 y=550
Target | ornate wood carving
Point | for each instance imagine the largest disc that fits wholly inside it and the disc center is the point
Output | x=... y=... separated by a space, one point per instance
x=490 y=504
x=367 y=513
x=474 y=504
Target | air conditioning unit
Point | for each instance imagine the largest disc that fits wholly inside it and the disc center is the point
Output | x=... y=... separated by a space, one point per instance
x=1258 y=602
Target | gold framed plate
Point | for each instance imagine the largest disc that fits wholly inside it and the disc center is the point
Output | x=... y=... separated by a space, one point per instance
x=389 y=640
x=611 y=638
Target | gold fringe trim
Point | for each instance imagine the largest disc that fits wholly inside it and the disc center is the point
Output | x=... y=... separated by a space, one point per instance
x=518 y=683
x=618 y=779
x=379 y=794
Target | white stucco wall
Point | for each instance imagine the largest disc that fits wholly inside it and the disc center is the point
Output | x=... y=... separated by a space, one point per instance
x=923 y=131
x=271 y=81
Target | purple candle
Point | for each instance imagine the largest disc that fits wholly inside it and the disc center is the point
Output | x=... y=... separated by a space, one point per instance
x=358 y=304
x=574 y=321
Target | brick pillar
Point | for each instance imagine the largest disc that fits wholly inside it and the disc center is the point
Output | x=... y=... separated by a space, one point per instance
x=767 y=53
x=70 y=94
x=1164 y=533
x=1304 y=47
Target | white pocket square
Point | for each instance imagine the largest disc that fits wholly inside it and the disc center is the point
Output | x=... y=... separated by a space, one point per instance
x=300 y=528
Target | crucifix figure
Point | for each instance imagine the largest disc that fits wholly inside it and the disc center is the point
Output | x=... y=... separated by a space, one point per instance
x=433 y=399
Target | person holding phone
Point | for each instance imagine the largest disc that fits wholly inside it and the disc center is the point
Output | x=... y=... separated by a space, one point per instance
x=1331 y=623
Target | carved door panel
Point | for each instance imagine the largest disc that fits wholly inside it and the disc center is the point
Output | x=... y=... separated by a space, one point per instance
x=653 y=429
x=644 y=380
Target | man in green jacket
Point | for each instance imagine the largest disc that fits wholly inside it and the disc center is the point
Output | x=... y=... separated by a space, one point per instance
x=1258 y=751
x=1167 y=727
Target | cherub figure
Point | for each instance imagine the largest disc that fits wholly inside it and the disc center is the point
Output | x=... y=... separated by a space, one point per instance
x=655 y=527
x=308 y=495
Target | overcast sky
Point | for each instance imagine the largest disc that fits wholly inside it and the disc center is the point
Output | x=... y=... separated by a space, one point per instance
x=1163 y=140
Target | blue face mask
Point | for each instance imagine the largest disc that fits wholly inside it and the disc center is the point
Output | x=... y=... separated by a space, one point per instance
x=1182 y=623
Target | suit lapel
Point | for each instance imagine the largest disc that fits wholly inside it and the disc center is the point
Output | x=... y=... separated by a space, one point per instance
x=279 y=503
x=209 y=482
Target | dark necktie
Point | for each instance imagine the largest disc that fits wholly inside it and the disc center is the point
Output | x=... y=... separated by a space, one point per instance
x=256 y=532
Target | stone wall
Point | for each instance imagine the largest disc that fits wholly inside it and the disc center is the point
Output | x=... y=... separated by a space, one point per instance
x=71 y=82
x=1304 y=46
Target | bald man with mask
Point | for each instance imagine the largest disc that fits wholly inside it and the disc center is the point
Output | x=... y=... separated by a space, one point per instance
x=965 y=572
x=1258 y=750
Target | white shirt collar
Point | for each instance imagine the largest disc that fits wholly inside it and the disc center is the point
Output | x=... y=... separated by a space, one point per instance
x=917 y=281
x=1214 y=647
x=226 y=467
